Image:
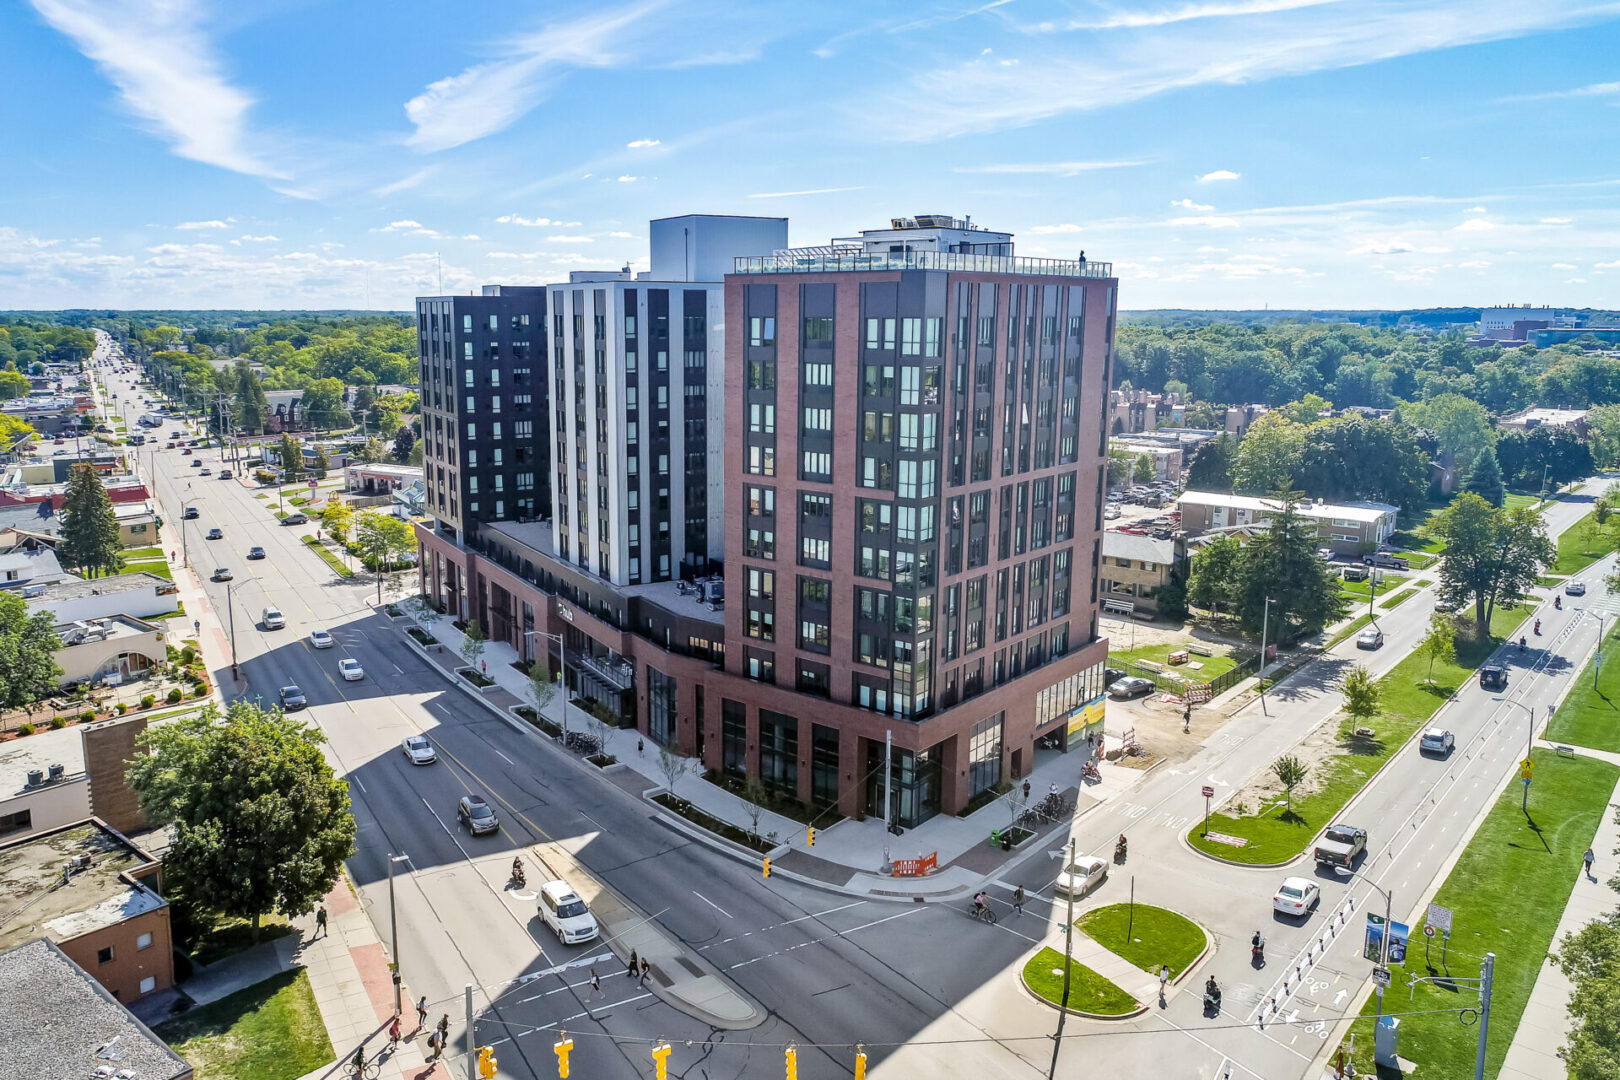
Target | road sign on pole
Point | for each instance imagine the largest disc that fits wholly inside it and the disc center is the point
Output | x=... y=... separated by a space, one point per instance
x=1439 y=917
x=1209 y=792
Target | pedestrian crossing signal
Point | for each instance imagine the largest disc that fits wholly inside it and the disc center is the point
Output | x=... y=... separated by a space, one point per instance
x=487 y=1065
x=563 y=1045
x=767 y=867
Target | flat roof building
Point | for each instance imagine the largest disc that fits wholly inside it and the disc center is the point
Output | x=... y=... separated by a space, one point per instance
x=1346 y=528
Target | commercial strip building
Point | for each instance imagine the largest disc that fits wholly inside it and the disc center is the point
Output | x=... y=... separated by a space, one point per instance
x=1535 y=416
x=1348 y=529
x=913 y=444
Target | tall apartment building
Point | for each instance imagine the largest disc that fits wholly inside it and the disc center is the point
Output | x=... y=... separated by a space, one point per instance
x=914 y=453
x=486 y=446
x=638 y=404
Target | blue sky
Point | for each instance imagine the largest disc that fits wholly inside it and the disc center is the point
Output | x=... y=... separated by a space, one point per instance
x=1222 y=153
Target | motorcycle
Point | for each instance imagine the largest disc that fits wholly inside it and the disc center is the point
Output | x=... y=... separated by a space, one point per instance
x=1089 y=771
x=1119 y=850
x=518 y=876
x=1257 y=951
x=1521 y=643
x=1558 y=603
x=1212 y=999
x=1538 y=627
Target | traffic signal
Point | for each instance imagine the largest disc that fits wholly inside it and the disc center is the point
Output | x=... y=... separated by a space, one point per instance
x=791 y=1054
x=767 y=867
x=860 y=1062
x=810 y=835
x=563 y=1045
x=660 y=1056
x=487 y=1065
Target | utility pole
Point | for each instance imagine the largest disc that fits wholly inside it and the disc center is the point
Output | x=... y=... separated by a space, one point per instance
x=1265 y=623
x=393 y=927
x=1487 y=971
x=471 y=1056
x=231 y=608
x=888 y=776
x=1068 y=955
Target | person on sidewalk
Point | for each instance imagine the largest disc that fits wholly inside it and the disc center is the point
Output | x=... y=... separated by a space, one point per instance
x=444 y=1030
x=393 y=1032
x=632 y=964
x=646 y=969
x=320 y=921
x=1164 y=981
x=360 y=1060
x=1026 y=791
x=421 y=1013
x=435 y=1044
x=640 y=746
x=1018 y=901
x=1588 y=859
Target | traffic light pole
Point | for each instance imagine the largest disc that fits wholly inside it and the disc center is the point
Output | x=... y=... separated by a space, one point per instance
x=472 y=1053
x=1068 y=956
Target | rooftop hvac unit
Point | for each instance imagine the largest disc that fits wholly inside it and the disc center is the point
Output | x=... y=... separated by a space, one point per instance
x=36 y=777
x=81 y=862
x=57 y=772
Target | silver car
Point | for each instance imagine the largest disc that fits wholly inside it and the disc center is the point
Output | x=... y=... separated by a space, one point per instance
x=418 y=749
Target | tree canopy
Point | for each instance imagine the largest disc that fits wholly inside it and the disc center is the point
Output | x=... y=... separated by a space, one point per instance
x=1491 y=555
x=90 y=542
x=28 y=645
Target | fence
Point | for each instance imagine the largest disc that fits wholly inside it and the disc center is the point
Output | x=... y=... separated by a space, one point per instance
x=915 y=867
x=1173 y=681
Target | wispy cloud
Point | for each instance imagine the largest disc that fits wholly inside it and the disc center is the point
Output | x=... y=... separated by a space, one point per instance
x=1556 y=220
x=405 y=183
x=1207 y=221
x=1084 y=70
x=1218 y=174
x=407 y=227
x=534 y=222
x=194 y=225
x=1188 y=204
x=643 y=144
x=1188 y=12
x=1047 y=168
x=570 y=240
x=1603 y=89
x=164 y=65
x=1052 y=230
x=806 y=191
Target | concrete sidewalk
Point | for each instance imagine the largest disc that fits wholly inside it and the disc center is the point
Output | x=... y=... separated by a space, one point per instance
x=1533 y=1054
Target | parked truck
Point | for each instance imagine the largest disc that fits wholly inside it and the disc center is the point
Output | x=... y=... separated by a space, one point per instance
x=1341 y=845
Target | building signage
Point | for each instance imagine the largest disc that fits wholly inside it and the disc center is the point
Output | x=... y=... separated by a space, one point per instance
x=564 y=612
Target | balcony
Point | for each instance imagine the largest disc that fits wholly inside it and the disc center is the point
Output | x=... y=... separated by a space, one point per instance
x=618 y=674
x=827 y=260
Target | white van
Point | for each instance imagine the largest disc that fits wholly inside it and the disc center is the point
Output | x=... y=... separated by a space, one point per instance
x=274 y=619
x=568 y=916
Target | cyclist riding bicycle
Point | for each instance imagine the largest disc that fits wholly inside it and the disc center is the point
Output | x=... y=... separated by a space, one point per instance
x=359 y=1062
x=981 y=904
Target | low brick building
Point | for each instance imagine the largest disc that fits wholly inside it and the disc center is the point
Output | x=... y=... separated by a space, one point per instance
x=1348 y=529
x=1134 y=568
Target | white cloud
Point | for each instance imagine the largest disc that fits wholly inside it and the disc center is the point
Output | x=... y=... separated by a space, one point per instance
x=570 y=240
x=1188 y=12
x=628 y=179
x=404 y=183
x=1207 y=221
x=192 y=225
x=1475 y=210
x=1051 y=168
x=1475 y=264
x=1607 y=89
x=1476 y=225
x=1218 y=174
x=266 y=239
x=407 y=227
x=164 y=65
x=1048 y=230
x=1564 y=266
x=622 y=235
x=1556 y=220
x=643 y=144
x=534 y=222
x=1188 y=204
x=796 y=194
x=1615 y=265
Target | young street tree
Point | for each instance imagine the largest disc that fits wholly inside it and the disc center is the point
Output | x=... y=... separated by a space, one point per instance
x=1440 y=643
x=372 y=451
x=382 y=541
x=260 y=821
x=1361 y=692
x=672 y=766
x=1491 y=555
x=292 y=458
x=1282 y=564
x=473 y=643
x=338 y=519
x=89 y=542
x=1290 y=773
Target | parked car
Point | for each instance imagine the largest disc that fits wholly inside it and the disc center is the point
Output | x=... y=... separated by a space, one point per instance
x=418 y=749
x=1129 y=687
x=1370 y=638
x=350 y=669
x=1341 y=845
x=1111 y=513
x=473 y=812
x=1436 y=741
x=295 y=519
x=1386 y=561
x=1354 y=573
x=1575 y=588
x=320 y=639
x=1081 y=876
x=273 y=618
x=222 y=574
x=216 y=534
x=292 y=698
x=1296 y=896
x=569 y=917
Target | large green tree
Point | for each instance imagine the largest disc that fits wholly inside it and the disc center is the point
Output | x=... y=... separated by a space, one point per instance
x=1491 y=555
x=259 y=821
x=1590 y=959
x=1352 y=458
x=1281 y=564
x=1215 y=582
x=292 y=458
x=89 y=543
x=1270 y=456
x=1460 y=426
x=28 y=645
x=250 y=408
x=322 y=404
x=1485 y=478
x=1211 y=465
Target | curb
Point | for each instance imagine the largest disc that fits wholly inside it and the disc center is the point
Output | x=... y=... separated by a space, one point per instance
x=1081 y=1013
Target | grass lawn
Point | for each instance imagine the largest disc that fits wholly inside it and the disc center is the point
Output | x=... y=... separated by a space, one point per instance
x=1364 y=588
x=1507 y=891
x=1214 y=666
x=1088 y=991
x=160 y=567
x=1149 y=937
x=141 y=553
x=269 y=1031
x=1512 y=500
x=1398 y=599
x=1275 y=833
x=1591 y=716
x=1353 y=628
x=1420 y=562
x=1581 y=545
x=330 y=559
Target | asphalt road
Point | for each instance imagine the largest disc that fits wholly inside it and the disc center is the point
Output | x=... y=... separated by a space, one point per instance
x=920 y=985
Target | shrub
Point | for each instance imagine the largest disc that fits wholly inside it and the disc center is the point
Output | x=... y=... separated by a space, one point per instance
x=25 y=729
x=60 y=722
x=86 y=717
x=148 y=701
x=122 y=708
x=200 y=690
x=188 y=655
x=174 y=696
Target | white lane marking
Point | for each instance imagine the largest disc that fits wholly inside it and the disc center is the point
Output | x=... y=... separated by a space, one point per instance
x=504 y=758
x=592 y=1012
x=819 y=914
x=711 y=903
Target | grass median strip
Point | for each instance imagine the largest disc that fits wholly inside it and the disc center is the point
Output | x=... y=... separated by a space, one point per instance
x=269 y=1031
x=330 y=559
x=1088 y=991
x=1355 y=627
x=1147 y=937
x=1590 y=715
x=1275 y=833
x=1581 y=545
x=1508 y=891
x=1397 y=600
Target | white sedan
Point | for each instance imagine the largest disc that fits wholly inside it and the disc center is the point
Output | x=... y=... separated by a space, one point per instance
x=1296 y=896
x=1575 y=588
x=418 y=749
x=320 y=639
x=350 y=669
x=1081 y=876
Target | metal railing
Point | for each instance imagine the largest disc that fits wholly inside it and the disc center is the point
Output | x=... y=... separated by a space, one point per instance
x=824 y=260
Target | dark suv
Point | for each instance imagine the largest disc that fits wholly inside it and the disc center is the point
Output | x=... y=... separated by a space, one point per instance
x=473 y=812
x=292 y=698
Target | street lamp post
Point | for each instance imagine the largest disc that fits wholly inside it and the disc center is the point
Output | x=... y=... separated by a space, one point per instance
x=393 y=926
x=1265 y=622
x=562 y=673
x=1383 y=939
x=1529 y=742
x=231 y=609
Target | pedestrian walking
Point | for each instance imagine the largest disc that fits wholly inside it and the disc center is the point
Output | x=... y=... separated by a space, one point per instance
x=646 y=969
x=1026 y=791
x=421 y=1013
x=1588 y=859
x=1018 y=900
x=435 y=1043
x=444 y=1030
x=632 y=964
x=640 y=746
x=596 y=985
x=320 y=920
x=483 y=666
x=393 y=1033
x=1164 y=979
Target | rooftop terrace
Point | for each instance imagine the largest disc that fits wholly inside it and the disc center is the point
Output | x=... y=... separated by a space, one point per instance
x=827 y=260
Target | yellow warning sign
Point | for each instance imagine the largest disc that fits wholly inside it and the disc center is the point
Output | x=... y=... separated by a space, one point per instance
x=1527 y=766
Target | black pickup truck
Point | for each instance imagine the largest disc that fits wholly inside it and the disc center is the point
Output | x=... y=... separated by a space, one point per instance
x=1340 y=845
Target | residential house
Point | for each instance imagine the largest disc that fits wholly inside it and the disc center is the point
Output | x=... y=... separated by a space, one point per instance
x=1134 y=568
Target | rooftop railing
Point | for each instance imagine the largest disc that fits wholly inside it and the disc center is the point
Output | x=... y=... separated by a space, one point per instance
x=834 y=260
